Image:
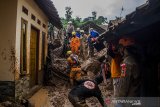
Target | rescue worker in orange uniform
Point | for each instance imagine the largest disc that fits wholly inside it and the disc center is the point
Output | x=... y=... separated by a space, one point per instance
x=74 y=66
x=75 y=43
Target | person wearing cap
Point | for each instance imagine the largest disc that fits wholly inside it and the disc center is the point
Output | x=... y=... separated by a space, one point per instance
x=75 y=43
x=93 y=35
x=70 y=29
x=84 y=46
x=68 y=69
x=130 y=69
x=78 y=34
x=73 y=67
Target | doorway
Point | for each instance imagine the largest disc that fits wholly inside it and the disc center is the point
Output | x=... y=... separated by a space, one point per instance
x=34 y=54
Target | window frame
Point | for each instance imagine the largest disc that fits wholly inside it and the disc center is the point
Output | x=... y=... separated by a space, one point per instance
x=23 y=48
x=25 y=10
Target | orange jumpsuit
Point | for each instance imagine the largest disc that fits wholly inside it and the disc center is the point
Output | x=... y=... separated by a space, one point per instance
x=75 y=72
x=75 y=44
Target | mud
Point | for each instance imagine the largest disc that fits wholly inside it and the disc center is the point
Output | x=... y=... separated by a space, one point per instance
x=59 y=87
x=58 y=94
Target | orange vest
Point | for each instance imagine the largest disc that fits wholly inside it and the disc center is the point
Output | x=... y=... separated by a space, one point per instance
x=75 y=42
x=115 y=67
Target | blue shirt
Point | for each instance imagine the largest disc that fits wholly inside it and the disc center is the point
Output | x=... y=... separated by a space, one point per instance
x=94 y=34
x=78 y=34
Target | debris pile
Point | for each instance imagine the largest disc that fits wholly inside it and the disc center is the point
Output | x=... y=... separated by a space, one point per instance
x=58 y=93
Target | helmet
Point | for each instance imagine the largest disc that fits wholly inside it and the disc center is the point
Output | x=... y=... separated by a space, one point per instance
x=78 y=29
x=73 y=33
x=69 y=22
x=69 y=52
x=82 y=31
x=126 y=41
x=91 y=29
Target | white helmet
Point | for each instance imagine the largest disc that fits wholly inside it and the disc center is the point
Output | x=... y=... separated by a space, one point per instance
x=91 y=29
x=78 y=29
x=69 y=22
x=82 y=31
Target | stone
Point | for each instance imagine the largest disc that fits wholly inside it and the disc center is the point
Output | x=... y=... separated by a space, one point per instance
x=22 y=87
x=92 y=65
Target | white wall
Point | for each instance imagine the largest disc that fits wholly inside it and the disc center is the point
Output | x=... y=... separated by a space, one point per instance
x=32 y=9
x=8 y=12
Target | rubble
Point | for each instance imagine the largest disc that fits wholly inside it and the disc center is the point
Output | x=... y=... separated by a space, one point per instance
x=91 y=65
x=55 y=44
x=58 y=92
x=22 y=87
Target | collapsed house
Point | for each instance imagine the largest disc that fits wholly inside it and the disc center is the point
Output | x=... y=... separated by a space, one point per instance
x=91 y=24
x=100 y=29
x=143 y=25
x=24 y=45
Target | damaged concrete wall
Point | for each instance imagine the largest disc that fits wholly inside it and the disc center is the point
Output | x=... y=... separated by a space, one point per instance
x=7 y=38
x=8 y=12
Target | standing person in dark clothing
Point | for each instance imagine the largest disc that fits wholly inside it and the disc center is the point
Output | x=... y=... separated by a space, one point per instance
x=85 y=89
x=130 y=70
x=65 y=46
x=105 y=72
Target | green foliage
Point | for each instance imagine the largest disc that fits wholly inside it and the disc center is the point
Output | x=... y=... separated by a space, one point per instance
x=78 y=21
x=64 y=22
x=101 y=20
x=68 y=13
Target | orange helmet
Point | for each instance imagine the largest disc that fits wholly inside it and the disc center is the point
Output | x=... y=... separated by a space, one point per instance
x=126 y=41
